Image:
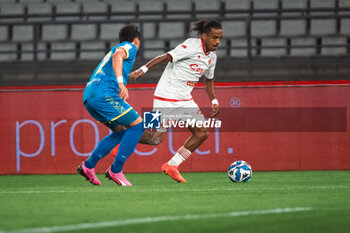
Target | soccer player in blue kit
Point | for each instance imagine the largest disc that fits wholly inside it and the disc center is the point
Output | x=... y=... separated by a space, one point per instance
x=104 y=97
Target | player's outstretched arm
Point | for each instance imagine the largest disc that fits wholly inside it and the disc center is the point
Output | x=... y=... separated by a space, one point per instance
x=209 y=88
x=155 y=61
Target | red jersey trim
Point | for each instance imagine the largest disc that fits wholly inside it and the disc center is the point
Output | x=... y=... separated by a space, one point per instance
x=170 y=100
x=206 y=54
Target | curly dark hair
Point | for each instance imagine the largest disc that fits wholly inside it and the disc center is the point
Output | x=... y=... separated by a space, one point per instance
x=205 y=25
x=128 y=33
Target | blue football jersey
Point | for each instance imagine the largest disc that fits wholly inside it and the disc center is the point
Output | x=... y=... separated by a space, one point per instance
x=104 y=71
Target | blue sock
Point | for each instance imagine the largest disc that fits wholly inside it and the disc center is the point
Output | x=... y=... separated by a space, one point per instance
x=127 y=146
x=103 y=148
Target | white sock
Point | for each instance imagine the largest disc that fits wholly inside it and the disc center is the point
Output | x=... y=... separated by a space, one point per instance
x=181 y=155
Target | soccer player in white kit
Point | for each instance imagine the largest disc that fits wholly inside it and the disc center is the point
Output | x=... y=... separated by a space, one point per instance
x=188 y=62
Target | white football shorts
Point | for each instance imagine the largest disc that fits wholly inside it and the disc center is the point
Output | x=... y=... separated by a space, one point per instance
x=178 y=111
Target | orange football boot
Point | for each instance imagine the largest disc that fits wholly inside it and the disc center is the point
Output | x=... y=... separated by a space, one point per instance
x=173 y=172
x=115 y=150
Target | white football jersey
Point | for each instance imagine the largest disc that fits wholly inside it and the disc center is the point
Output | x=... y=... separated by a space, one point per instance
x=190 y=62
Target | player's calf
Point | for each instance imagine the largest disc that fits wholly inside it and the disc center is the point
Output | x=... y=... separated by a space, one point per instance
x=202 y=135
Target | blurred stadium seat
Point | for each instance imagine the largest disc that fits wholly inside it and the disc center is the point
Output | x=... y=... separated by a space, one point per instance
x=27 y=52
x=293 y=27
x=333 y=50
x=149 y=30
x=180 y=5
x=98 y=53
x=237 y=5
x=63 y=51
x=10 y=49
x=22 y=33
x=110 y=31
x=264 y=27
x=84 y=32
x=121 y=6
x=12 y=9
x=171 y=30
x=31 y=1
x=150 y=5
x=240 y=50
x=303 y=46
x=322 y=26
x=345 y=27
x=3 y=33
x=54 y=32
x=274 y=52
x=67 y=8
x=234 y=28
x=153 y=48
x=39 y=8
x=202 y=5
x=95 y=7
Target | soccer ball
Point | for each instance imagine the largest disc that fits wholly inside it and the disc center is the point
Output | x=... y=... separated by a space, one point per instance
x=240 y=171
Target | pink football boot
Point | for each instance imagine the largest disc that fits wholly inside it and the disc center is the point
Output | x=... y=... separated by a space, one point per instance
x=89 y=174
x=118 y=178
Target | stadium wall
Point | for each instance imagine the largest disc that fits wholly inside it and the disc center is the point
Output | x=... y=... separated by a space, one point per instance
x=272 y=125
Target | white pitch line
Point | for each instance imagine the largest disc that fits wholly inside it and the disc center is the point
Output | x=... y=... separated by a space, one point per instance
x=123 y=189
x=134 y=221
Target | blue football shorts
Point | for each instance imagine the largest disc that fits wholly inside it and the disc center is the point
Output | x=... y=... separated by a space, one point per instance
x=111 y=111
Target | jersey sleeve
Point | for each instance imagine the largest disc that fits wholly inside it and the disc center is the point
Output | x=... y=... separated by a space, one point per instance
x=182 y=51
x=129 y=50
x=209 y=73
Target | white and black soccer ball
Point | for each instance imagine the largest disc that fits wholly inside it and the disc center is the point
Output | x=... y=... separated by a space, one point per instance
x=240 y=171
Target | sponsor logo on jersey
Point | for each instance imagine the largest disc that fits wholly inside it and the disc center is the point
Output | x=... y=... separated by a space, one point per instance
x=190 y=83
x=196 y=68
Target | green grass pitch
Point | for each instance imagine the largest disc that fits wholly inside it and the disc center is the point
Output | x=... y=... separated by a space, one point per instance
x=271 y=202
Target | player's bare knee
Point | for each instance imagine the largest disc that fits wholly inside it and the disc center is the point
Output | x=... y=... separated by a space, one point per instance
x=154 y=141
x=156 y=138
